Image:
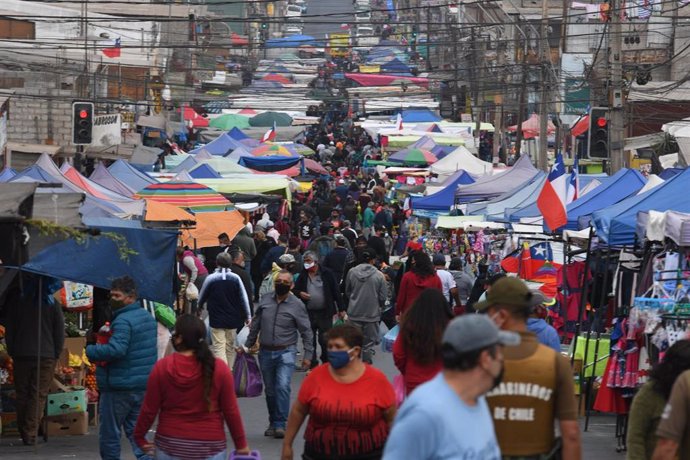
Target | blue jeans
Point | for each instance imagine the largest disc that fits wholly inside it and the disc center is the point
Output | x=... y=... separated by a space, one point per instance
x=160 y=455
x=119 y=411
x=277 y=368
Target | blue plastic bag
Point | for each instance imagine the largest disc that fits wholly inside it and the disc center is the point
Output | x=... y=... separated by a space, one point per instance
x=389 y=339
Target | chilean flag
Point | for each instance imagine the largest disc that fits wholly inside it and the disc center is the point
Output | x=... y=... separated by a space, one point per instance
x=573 y=184
x=552 y=198
x=114 y=51
x=399 y=123
x=270 y=135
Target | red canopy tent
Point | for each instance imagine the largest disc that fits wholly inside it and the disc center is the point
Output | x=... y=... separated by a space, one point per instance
x=581 y=126
x=237 y=39
x=530 y=127
x=197 y=120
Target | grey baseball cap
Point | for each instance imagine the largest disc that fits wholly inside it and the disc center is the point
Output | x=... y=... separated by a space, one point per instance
x=286 y=259
x=473 y=332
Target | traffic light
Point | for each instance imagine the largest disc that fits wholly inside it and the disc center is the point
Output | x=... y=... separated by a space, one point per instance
x=414 y=33
x=264 y=25
x=598 y=146
x=82 y=123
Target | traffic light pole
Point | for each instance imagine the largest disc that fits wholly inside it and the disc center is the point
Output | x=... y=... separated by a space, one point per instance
x=79 y=158
x=616 y=130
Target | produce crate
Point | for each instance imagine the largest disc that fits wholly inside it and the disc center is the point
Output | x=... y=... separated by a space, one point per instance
x=67 y=403
x=68 y=424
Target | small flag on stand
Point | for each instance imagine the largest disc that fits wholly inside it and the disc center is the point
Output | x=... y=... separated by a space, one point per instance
x=573 y=184
x=270 y=135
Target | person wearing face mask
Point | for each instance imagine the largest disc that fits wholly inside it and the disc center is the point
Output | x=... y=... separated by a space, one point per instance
x=279 y=319
x=537 y=387
x=317 y=287
x=448 y=416
x=350 y=405
x=129 y=357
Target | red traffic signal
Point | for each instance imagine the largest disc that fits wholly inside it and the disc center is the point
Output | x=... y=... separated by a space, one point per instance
x=602 y=122
x=83 y=114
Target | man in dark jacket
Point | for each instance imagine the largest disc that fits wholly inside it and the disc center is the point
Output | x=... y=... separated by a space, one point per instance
x=34 y=360
x=274 y=254
x=317 y=287
x=237 y=268
x=339 y=257
x=246 y=243
x=377 y=243
x=227 y=302
x=128 y=358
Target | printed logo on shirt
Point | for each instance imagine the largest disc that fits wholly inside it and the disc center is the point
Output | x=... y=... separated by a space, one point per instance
x=529 y=390
x=667 y=412
x=514 y=414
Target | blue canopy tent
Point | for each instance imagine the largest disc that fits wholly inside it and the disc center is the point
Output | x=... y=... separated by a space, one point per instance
x=6 y=174
x=237 y=134
x=204 y=171
x=668 y=173
x=443 y=199
x=488 y=187
x=615 y=225
x=442 y=150
x=33 y=173
x=270 y=163
x=494 y=209
x=419 y=116
x=292 y=41
x=151 y=263
x=426 y=143
x=222 y=145
x=397 y=67
x=187 y=164
x=130 y=176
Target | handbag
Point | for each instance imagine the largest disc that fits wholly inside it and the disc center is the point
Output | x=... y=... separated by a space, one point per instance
x=389 y=339
x=192 y=292
x=248 y=383
x=164 y=315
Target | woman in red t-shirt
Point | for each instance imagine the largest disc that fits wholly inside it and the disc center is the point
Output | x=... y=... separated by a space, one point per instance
x=351 y=405
x=421 y=277
x=417 y=349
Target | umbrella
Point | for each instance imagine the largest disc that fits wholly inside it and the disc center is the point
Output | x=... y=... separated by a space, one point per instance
x=276 y=77
x=302 y=149
x=197 y=120
x=268 y=119
x=272 y=150
x=188 y=195
x=414 y=157
x=229 y=121
x=315 y=167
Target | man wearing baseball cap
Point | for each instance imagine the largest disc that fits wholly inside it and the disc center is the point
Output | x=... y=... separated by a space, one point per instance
x=448 y=417
x=537 y=386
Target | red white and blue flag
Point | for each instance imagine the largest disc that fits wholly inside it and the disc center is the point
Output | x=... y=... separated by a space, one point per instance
x=114 y=51
x=573 y=184
x=270 y=135
x=399 y=122
x=552 y=198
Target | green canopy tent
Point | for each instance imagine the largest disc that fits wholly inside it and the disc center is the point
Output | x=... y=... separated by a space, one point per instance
x=229 y=121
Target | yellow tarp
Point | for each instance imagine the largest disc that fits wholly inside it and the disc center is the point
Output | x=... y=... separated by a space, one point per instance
x=211 y=224
x=163 y=212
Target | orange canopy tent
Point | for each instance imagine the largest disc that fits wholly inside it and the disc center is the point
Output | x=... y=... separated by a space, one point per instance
x=157 y=211
x=211 y=224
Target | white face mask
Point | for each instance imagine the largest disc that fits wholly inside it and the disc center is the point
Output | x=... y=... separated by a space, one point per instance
x=308 y=266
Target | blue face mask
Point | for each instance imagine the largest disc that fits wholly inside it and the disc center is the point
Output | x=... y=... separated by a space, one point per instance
x=339 y=359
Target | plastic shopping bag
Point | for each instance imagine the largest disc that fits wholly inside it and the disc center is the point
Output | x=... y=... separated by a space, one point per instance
x=253 y=455
x=389 y=339
x=399 y=389
x=192 y=292
x=248 y=383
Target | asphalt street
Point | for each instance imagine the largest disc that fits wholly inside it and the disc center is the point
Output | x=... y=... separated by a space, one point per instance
x=326 y=16
x=599 y=442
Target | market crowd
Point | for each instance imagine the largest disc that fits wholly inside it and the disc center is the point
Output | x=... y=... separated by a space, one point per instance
x=481 y=373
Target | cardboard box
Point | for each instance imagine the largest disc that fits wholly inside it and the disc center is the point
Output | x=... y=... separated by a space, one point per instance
x=67 y=403
x=74 y=345
x=9 y=425
x=68 y=424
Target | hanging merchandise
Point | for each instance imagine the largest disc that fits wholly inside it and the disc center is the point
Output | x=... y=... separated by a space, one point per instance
x=75 y=296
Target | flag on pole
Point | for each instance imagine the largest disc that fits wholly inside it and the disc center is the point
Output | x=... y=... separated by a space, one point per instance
x=270 y=135
x=573 y=184
x=398 y=122
x=113 y=51
x=552 y=198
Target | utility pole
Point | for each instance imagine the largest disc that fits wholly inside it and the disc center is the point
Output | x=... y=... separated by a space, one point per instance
x=542 y=156
x=563 y=133
x=428 y=39
x=498 y=106
x=616 y=129
x=521 y=103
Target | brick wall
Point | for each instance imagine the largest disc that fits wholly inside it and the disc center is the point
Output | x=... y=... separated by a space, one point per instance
x=40 y=112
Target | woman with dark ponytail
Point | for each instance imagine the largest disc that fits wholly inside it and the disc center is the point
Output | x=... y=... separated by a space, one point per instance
x=192 y=393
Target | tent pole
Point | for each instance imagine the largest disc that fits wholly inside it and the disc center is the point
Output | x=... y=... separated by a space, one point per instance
x=38 y=362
